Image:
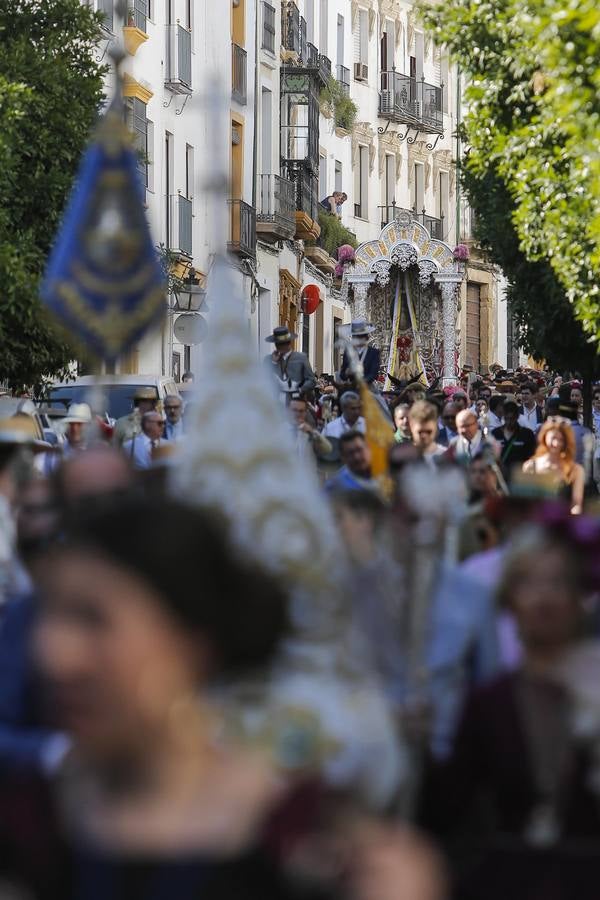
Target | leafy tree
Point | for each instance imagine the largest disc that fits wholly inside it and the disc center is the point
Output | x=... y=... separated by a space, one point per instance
x=51 y=88
x=334 y=234
x=544 y=317
x=533 y=71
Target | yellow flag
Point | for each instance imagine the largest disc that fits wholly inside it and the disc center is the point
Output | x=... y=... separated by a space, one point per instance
x=379 y=434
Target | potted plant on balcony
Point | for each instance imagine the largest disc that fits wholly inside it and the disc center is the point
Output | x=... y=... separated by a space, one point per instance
x=130 y=17
x=337 y=105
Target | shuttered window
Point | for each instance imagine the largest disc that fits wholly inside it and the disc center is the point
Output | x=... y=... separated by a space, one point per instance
x=473 y=325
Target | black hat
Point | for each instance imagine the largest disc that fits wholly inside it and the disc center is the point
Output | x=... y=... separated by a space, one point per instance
x=281 y=335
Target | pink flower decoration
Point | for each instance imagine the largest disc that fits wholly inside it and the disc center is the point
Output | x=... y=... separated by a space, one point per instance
x=339 y=270
x=461 y=252
x=345 y=253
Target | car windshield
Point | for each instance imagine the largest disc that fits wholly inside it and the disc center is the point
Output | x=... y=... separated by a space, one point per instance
x=118 y=397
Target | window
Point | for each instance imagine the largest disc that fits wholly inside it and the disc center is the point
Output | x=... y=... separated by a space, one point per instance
x=168 y=186
x=268 y=32
x=361 y=185
x=309 y=9
x=388 y=44
x=445 y=80
x=106 y=8
x=339 y=183
x=266 y=131
x=444 y=202
x=362 y=37
x=138 y=123
x=340 y=40
x=419 y=189
x=390 y=179
x=189 y=172
x=419 y=54
x=324 y=26
x=305 y=334
x=323 y=192
x=141 y=12
x=150 y=155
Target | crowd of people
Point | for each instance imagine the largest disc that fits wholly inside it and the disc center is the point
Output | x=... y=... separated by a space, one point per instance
x=469 y=577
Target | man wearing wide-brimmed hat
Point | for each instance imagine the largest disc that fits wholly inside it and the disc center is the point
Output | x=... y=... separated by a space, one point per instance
x=290 y=368
x=361 y=333
x=128 y=427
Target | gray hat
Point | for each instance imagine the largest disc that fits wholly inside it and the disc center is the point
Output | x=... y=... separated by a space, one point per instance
x=281 y=335
x=360 y=327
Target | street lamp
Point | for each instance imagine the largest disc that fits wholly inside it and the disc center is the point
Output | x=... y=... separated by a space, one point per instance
x=191 y=296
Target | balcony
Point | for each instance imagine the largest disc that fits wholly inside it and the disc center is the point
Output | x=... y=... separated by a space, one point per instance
x=276 y=215
x=411 y=101
x=242 y=228
x=290 y=29
x=179 y=225
x=239 y=64
x=317 y=63
x=306 y=199
x=435 y=227
x=178 y=67
x=268 y=27
x=343 y=78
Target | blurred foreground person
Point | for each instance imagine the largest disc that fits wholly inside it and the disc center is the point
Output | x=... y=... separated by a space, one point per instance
x=152 y=801
x=516 y=802
x=28 y=740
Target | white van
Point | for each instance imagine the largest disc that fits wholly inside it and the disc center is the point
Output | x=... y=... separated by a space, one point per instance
x=118 y=391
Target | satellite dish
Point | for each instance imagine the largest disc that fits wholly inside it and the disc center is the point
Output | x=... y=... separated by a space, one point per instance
x=190 y=328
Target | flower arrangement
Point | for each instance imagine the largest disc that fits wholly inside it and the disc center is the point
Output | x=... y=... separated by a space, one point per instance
x=461 y=253
x=345 y=254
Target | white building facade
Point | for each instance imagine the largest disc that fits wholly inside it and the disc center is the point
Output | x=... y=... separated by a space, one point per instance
x=288 y=148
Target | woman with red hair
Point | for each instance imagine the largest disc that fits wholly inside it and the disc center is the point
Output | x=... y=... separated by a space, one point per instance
x=555 y=459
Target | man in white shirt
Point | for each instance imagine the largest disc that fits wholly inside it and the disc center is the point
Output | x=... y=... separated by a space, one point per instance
x=350 y=419
x=531 y=416
x=309 y=442
x=141 y=448
x=422 y=419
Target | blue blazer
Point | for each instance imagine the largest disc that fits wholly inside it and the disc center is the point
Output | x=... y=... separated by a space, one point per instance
x=371 y=365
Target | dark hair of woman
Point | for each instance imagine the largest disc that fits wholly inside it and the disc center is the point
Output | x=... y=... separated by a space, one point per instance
x=205 y=583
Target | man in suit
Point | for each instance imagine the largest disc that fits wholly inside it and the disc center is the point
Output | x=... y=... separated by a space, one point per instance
x=290 y=368
x=530 y=414
x=369 y=356
x=140 y=448
x=174 y=424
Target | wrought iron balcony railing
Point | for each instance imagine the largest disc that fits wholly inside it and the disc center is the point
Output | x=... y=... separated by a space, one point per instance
x=290 y=27
x=242 y=228
x=343 y=78
x=305 y=184
x=178 y=68
x=179 y=225
x=411 y=101
x=277 y=204
x=434 y=226
x=239 y=74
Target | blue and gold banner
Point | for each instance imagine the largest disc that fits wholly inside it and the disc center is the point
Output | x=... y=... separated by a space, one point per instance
x=104 y=280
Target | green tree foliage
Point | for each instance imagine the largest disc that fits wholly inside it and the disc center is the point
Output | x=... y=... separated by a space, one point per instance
x=546 y=326
x=50 y=92
x=533 y=72
x=334 y=234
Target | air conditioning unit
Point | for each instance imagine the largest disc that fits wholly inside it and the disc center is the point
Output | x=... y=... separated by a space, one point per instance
x=361 y=72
